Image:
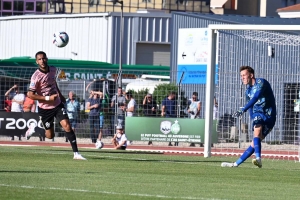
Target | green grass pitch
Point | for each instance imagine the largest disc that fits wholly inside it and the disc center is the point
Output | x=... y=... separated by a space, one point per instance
x=51 y=173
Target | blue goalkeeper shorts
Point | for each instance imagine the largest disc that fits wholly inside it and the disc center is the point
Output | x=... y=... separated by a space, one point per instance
x=267 y=123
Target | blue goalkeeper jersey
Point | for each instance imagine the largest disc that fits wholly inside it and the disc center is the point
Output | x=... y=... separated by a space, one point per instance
x=261 y=100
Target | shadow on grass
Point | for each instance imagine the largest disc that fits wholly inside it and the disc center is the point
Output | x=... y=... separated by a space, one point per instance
x=157 y=160
x=110 y=151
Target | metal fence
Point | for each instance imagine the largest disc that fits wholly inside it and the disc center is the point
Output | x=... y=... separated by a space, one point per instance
x=139 y=83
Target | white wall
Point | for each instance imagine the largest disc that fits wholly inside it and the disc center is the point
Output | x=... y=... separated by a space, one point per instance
x=90 y=36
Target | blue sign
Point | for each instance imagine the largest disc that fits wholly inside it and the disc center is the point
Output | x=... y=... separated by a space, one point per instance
x=194 y=74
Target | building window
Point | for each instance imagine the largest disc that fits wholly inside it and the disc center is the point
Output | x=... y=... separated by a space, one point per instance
x=182 y=2
x=29 y=6
x=40 y=6
x=284 y=3
x=7 y=5
x=293 y=2
x=148 y=1
x=18 y=5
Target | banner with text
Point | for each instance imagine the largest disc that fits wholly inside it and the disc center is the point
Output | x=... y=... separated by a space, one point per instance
x=17 y=123
x=167 y=129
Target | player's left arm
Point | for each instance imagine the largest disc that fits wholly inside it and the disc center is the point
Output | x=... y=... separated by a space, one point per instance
x=62 y=98
x=257 y=94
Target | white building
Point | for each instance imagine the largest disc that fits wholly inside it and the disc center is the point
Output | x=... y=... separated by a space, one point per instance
x=93 y=36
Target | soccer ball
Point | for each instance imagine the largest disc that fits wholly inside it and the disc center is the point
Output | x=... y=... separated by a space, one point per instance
x=99 y=145
x=60 y=39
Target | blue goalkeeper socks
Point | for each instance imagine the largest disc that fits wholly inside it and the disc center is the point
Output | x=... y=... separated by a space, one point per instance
x=257 y=147
x=245 y=155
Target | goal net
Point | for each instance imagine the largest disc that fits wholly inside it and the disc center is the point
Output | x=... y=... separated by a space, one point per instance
x=273 y=52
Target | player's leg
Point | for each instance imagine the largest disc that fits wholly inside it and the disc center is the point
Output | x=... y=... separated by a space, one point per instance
x=247 y=153
x=258 y=125
x=46 y=120
x=31 y=130
x=261 y=130
x=256 y=143
x=62 y=117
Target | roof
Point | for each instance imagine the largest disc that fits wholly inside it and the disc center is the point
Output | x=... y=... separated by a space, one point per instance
x=293 y=8
x=242 y=19
x=14 y=67
x=27 y=61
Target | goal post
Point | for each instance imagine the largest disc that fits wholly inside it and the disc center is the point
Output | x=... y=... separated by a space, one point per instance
x=283 y=37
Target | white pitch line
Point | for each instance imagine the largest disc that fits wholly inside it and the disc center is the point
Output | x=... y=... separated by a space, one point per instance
x=104 y=192
x=216 y=153
x=18 y=145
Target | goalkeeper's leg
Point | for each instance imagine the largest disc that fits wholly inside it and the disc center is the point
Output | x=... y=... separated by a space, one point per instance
x=244 y=157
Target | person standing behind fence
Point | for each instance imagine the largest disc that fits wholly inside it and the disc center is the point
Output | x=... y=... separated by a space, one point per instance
x=194 y=110
x=149 y=105
x=169 y=109
x=103 y=103
x=7 y=104
x=131 y=107
x=121 y=104
x=215 y=114
x=73 y=108
x=29 y=105
x=93 y=105
x=17 y=102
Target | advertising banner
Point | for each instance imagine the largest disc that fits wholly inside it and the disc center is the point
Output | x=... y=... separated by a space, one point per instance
x=167 y=129
x=17 y=123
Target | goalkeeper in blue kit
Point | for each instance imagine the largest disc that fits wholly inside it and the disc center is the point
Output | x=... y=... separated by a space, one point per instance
x=262 y=110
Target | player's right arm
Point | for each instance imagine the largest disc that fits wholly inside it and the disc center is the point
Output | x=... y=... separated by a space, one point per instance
x=32 y=95
x=259 y=91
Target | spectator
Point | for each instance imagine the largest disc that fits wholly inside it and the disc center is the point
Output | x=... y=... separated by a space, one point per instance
x=73 y=108
x=131 y=107
x=119 y=140
x=169 y=108
x=149 y=108
x=194 y=110
x=121 y=104
x=17 y=102
x=7 y=104
x=29 y=105
x=215 y=114
x=93 y=105
x=103 y=101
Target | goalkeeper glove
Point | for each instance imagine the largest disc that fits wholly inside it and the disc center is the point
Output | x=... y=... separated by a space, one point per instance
x=238 y=113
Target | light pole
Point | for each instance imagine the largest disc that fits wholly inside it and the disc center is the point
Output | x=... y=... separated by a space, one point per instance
x=120 y=62
x=121 y=40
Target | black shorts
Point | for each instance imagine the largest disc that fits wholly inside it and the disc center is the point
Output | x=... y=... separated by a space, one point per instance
x=47 y=115
x=123 y=148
